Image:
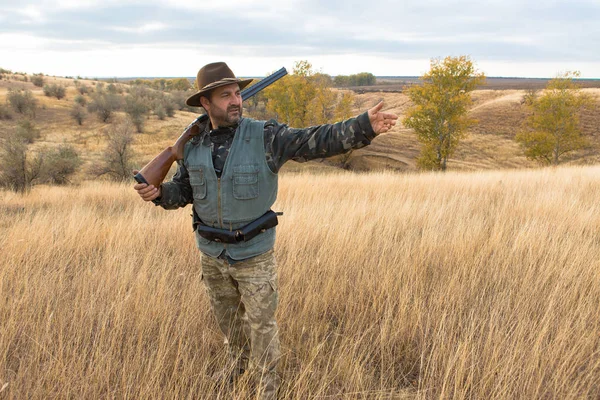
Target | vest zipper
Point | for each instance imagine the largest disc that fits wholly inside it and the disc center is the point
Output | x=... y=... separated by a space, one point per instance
x=219 y=212
x=219 y=216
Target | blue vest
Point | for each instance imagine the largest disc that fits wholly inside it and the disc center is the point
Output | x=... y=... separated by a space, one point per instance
x=246 y=190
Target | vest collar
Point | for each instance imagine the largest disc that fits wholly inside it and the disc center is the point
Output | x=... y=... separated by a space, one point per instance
x=215 y=135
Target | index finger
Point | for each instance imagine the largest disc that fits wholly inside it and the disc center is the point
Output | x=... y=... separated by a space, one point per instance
x=139 y=186
x=389 y=115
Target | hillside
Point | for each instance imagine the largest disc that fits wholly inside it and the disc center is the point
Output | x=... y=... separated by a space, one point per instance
x=490 y=144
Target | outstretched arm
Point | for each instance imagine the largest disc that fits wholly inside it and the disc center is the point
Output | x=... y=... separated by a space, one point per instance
x=283 y=143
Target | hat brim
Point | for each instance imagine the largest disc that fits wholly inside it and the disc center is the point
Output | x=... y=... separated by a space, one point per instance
x=194 y=100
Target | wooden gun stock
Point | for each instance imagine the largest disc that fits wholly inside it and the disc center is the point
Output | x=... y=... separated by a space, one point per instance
x=155 y=171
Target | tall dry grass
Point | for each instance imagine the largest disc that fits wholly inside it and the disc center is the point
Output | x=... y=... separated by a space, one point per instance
x=479 y=285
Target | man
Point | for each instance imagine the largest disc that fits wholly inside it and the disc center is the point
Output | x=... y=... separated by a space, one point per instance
x=229 y=174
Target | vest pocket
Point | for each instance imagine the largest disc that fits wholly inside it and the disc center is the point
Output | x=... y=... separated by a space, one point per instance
x=197 y=181
x=245 y=182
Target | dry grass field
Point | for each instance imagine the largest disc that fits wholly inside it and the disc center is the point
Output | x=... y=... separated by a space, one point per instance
x=393 y=286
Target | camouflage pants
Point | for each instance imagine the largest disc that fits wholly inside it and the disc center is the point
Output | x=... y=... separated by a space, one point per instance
x=244 y=299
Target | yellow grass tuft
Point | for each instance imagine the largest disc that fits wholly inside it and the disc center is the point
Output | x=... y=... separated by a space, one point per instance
x=461 y=285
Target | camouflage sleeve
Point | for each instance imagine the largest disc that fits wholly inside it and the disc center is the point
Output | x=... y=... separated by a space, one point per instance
x=176 y=193
x=283 y=143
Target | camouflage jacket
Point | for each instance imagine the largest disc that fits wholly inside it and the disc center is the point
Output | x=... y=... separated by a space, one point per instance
x=282 y=144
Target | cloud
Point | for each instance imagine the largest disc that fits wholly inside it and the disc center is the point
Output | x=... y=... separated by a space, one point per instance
x=145 y=28
x=507 y=30
x=31 y=14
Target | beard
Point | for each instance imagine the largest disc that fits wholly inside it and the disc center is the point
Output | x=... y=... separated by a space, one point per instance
x=229 y=117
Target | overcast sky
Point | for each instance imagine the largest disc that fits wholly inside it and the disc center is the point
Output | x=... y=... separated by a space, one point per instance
x=124 y=38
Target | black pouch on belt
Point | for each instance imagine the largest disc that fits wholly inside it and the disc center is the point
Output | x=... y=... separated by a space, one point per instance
x=267 y=221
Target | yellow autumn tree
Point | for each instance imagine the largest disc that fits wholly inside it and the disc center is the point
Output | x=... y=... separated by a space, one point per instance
x=303 y=98
x=343 y=110
x=553 y=129
x=439 y=115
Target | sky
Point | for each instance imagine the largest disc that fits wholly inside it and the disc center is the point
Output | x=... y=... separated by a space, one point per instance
x=174 y=38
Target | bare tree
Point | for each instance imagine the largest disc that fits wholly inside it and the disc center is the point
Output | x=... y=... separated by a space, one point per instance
x=118 y=155
x=18 y=168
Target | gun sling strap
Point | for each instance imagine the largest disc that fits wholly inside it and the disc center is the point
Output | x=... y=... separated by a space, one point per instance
x=247 y=232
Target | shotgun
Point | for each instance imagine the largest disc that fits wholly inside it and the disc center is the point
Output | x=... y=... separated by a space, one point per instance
x=155 y=171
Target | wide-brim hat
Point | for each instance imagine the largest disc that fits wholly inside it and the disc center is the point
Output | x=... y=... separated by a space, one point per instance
x=212 y=76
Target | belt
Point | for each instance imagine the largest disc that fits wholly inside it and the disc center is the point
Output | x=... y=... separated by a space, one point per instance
x=247 y=232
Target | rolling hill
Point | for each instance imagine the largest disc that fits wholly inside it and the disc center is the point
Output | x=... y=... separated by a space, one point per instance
x=490 y=144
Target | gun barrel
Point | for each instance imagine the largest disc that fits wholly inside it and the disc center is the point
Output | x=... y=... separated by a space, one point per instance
x=257 y=87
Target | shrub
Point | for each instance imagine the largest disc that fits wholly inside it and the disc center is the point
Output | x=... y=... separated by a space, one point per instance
x=18 y=169
x=159 y=111
x=79 y=99
x=137 y=109
x=5 y=112
x=111 y=88
x=104 y=104
x=164 y=106
x=27 y=131
x=55 y=90
x=59 y=164
x=83 y=89
x=169 y=108
x=38 y=80
x=78 y=113
x=22 y=101
x=179 y=98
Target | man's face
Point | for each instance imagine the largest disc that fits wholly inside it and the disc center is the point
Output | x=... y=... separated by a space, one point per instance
x=225 y=105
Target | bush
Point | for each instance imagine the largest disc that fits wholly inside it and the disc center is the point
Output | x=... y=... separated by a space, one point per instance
x=38 y=80
x=55 y=90
x=159 y=111
x=22 y=101
x=27 y=131
x=83 y=89
x=118 y=156
x=179 y=98
x=59 y=164
x=79 y=99
x=137 y=109
x=104 y=104
x=111 y=88
x=78 y=113
x=18 y=170
x=5 y=112
x=169 y=108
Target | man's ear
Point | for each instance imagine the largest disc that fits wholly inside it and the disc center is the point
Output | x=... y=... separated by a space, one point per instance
x=205 y=102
